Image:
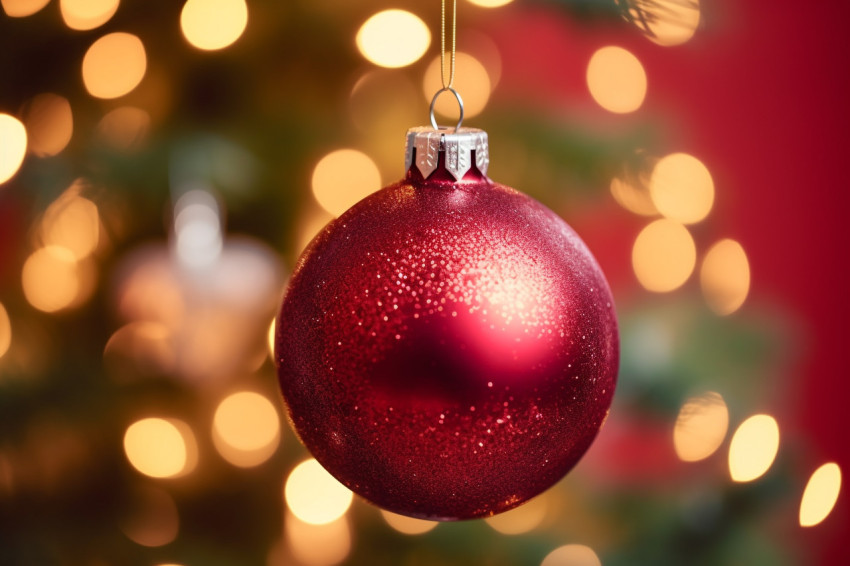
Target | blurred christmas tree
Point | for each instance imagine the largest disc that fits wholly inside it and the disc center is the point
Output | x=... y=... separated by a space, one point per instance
x=141 y=422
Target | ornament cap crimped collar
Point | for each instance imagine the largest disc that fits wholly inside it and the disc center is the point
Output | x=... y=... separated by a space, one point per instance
x=458 y=146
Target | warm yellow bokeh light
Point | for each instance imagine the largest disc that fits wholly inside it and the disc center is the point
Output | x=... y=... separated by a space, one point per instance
x=682 y=188
x=309 y=225
x=50 y=279
x=663 y=256
x=521 y=520
x=616 y=79
x=471 y=80
x=5 y=331
x=114 y=65
x=153 y=519
x=124 y=128
x=700 y=427
x=820 y=495
x=753 y=448
x=49 y=123
x=246 y=429
x=317 y=545
x=270 y=337
x=72 y=222
x=315 y=496
x=13 y=146
x=393 y=38
x=408 y=525
x=725 y=277
x=490 y=3
x=671 y=22
x=632 y=198
x=158 y=447
x=572 y=555
x=22 y=8
x=213 y=24
x=344 y=177
x=87 y=14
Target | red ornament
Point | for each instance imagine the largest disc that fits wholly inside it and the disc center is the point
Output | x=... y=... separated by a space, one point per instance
x=447 y=348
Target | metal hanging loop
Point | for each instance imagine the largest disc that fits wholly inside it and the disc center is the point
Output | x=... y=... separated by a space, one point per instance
x=459 y=103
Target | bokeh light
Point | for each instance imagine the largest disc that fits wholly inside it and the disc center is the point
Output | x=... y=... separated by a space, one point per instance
x=616 y=80
x=632 y=198
x=383 y=98
x=317 y=545
x=5 y=331
x=753 y=448
x=22 y=8
x=490 y=3
x=153 y=519
x=521 y=520
x=725 y=277
x=87 y=14
x=820 y=495
x=393 y=38
x=124 y=128
x=246 y=429
x=682 y=188
x=114 y=65
x=471 y=80
x=270 y=337
x=197 y=229
x=13 y=146
x=408 y=525
x=213 y=24
x=50 y=124
x=72 y=222
x=572 y=555
x=160 y=448
x=315 y=496
x=700 y=427
x=342 y=178
x=139 y=349
x=50 y=279
x=663 y=256
x=670 y=22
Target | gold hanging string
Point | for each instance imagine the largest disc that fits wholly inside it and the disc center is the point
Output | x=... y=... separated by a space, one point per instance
x=451 y=81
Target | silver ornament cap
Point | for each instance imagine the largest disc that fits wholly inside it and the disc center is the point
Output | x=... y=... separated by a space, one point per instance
x=425 y=143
